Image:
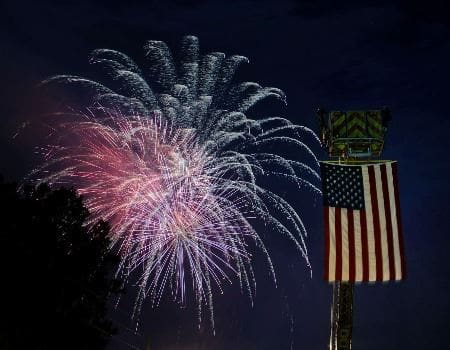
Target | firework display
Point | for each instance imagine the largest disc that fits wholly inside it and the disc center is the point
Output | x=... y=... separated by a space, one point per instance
x=170 y=158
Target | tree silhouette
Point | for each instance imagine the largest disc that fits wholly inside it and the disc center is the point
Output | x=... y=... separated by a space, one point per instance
x=48 y=256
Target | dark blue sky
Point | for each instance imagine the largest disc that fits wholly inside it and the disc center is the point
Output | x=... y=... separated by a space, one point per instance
x=357 y=55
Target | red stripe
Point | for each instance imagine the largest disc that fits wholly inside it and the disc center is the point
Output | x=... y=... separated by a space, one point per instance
x=337 y=223
x=326 y=271
x=399 y=219
x=376 y=224
x=387 y=211
x=351 y=245
x=364 y=246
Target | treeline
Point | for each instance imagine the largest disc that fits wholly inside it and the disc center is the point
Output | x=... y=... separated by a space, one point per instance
x=50 y=259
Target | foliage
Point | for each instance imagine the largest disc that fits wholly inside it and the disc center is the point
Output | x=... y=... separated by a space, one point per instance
x=51 y=258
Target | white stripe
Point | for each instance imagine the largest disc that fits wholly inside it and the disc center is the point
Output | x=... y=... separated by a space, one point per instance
x=332 y=256
x=370 y=230
x=395 y=238
x=358 y=246
x=345 y=245
x=383 y=231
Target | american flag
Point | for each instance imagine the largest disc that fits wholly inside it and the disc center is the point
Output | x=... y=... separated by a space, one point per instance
x=363 y=230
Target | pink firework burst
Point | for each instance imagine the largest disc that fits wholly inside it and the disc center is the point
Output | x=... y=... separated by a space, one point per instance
x=174 y=215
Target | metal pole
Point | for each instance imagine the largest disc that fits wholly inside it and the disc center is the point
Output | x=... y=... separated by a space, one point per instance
x=342 y=316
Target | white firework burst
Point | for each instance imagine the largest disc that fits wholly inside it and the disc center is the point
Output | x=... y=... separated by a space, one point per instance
x=188 y=159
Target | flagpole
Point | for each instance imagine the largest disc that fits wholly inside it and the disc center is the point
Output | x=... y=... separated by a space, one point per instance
x=342 y=316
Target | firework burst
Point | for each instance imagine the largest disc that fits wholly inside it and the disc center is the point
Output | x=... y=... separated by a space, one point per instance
x=176 y=172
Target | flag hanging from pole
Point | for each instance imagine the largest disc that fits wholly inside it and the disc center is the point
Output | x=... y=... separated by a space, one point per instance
x=363 y=230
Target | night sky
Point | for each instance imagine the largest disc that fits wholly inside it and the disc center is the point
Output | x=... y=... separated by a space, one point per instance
x=359 y=54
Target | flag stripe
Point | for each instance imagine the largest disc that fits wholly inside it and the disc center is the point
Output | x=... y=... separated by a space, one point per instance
x=395 y=237
x=382 y=219
x=338 y=272
x=351 y=245
x=371 y=262
x=376 y=224
x=327 y=241
x=365 y=246
x=389 y=233
x=332 y=259
x=358 y=246
x=345 y=244
x=399 y=219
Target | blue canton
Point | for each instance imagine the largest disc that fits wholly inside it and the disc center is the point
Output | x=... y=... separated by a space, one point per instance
x=342 y=186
